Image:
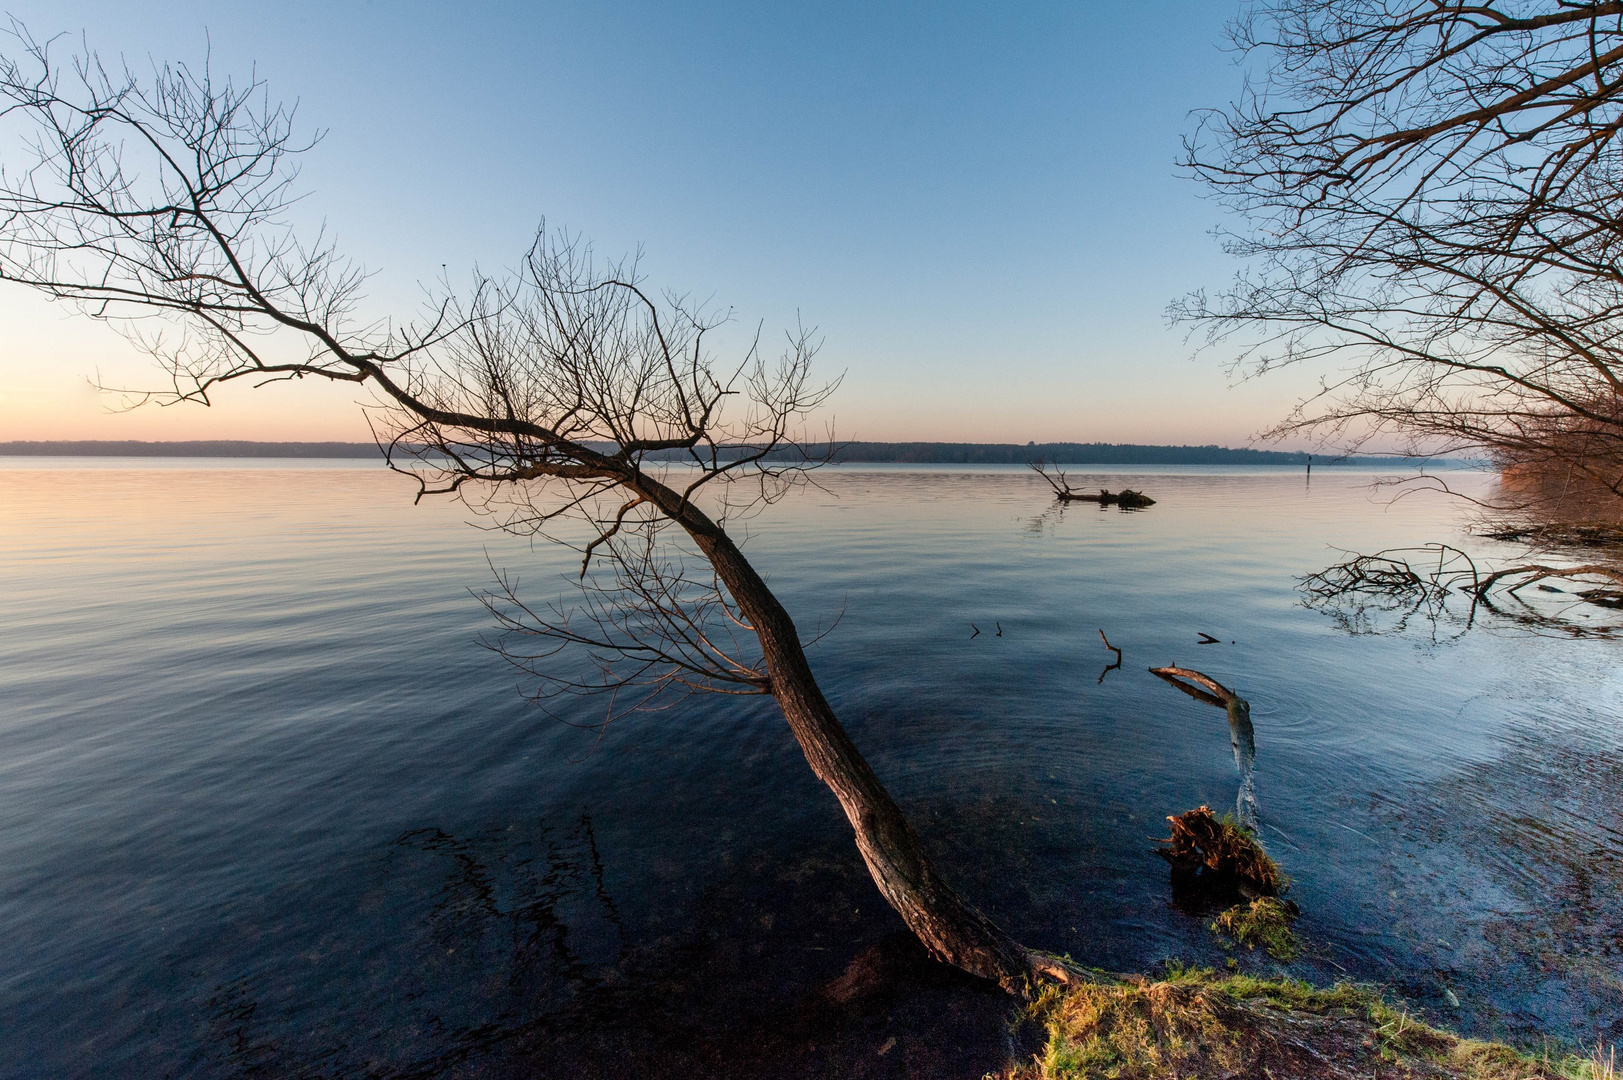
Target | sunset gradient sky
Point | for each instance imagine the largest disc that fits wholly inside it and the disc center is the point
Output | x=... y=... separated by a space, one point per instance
x=976 y=204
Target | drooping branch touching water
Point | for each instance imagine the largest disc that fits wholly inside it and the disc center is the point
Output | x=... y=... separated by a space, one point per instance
x=566 y=401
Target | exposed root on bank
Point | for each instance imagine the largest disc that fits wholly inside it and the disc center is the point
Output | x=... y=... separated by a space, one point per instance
x=1048 y=969
x=1216 y=862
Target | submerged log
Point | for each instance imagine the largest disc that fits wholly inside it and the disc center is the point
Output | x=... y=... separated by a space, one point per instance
x=1126 y=498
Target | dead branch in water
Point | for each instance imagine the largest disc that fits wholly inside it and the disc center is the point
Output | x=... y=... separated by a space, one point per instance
x=1126 y=498
x=1404 y=582
x=1547 y=535
x=1533 y=572
x=1221 y=695
x=1113 y=667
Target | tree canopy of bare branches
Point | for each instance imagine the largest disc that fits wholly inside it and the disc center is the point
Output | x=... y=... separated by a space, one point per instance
x=1431 y=195
x=564 y=399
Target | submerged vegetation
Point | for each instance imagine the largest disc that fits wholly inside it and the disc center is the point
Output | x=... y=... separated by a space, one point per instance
x=1195 y=1023
x=1265 y=921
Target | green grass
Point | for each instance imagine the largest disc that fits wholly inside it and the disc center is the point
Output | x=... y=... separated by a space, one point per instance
x=1196 y=1023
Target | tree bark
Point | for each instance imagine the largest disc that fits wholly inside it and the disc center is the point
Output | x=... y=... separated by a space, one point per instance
x=953 y=930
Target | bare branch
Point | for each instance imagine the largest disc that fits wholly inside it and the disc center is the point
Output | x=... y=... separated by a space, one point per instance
x=1384 y=592
x=1428 y=196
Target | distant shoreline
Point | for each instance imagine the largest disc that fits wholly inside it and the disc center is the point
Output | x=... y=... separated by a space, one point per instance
x=920 y=453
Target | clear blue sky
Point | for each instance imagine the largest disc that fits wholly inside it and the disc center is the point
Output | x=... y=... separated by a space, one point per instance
x=976 y=203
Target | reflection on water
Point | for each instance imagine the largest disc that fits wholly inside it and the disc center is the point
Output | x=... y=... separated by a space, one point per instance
x=271 y=811
x=510 y=958
x=1523 y=859
x=1440 y=588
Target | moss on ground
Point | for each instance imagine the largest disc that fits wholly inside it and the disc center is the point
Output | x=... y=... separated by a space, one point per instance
x=1196 y=1024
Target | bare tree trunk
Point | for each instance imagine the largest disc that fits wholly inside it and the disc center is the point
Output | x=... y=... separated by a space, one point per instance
x=525 y=381
x=953 y=930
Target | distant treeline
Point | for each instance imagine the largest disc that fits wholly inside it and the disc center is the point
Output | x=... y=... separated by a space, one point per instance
x=1072 y=454
x=902 y=453
x=200 y=448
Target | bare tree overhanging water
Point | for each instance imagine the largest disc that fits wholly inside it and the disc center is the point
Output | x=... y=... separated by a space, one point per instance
x=565 y=397
x=1426 y=194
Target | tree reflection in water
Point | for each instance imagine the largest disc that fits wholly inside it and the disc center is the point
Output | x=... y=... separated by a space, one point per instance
x=504 y=953
x=1445 y=588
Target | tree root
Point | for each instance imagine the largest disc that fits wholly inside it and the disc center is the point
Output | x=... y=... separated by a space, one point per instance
x=1220 y=861
x=1047 y=967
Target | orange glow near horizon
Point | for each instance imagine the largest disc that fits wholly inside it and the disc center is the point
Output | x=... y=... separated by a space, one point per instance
x=52 y=354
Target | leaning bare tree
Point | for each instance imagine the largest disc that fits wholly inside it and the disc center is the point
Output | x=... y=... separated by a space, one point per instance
x=565 y=393
x=1431 y=193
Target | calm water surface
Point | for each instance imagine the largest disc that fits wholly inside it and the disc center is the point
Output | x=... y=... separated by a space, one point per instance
x=270 y=809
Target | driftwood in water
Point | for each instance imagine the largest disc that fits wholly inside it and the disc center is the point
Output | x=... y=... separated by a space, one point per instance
x=1217 y=862
x=1242 y=736
x=1399 y=583
x=1126 y=498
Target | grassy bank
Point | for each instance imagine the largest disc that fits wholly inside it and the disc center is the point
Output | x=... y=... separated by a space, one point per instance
x=1197 y=1024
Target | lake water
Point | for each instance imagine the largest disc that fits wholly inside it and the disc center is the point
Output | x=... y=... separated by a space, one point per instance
x=270 y=809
